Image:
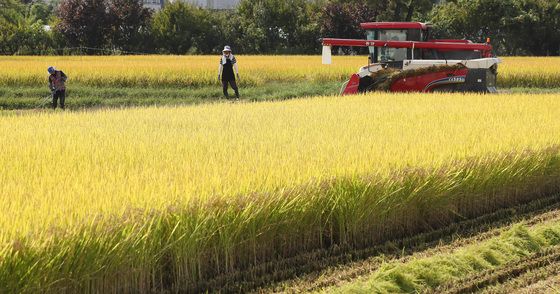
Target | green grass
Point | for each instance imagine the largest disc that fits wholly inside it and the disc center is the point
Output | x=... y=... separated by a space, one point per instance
x=80 y=97
x=86 y=97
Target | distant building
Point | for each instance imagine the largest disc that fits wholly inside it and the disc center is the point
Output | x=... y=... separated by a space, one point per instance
x=153 y=4
x=215 y=4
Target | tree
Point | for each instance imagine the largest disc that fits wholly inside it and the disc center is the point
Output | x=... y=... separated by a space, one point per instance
x=41 y=12
x=342 y=20
x=277 y=26
x=114 y=24
x=516 y=26
x=84 y=23
x=30 y=38
x=180 y=28
x=392 y=10
x=227 y=24
x=405 y=10
x=535 y=27
x=474 y=20
x=20 y=34
x=10 y=12
x=130 y=24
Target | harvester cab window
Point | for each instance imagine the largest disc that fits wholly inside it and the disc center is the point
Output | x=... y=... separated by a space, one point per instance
x=386 y=54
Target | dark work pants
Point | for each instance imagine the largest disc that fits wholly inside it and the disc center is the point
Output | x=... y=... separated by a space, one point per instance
x=233 y=86
x=60 y=94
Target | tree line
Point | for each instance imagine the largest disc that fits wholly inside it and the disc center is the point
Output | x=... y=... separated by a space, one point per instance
x=517 y=27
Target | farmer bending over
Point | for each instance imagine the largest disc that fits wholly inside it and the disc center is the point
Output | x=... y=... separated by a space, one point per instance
x=56 y=84
x=225 y=72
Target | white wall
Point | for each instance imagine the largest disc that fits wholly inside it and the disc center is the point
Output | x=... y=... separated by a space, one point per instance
x=215 y=4
x=153 y=4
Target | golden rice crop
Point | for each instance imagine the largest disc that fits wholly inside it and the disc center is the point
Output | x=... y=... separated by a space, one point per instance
x=120 y=199
x=172 y=70
x=543 y=72
x=182 y=71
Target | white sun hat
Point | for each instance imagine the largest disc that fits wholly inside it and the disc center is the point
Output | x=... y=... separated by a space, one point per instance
x=227 y=48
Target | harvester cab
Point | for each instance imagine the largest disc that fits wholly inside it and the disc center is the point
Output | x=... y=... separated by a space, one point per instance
x=403 y=32
x=404 y=58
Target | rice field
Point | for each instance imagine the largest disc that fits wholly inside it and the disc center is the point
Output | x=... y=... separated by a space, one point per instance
x=191 y=198
x=540 y=72
x=186 y=71
x=173 y=198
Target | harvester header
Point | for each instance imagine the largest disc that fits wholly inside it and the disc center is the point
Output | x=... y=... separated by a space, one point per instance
x=449 y=45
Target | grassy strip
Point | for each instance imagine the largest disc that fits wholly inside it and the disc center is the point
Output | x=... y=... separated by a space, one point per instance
x=529 y=247
x=327 y=269
x=81 y=97
x=179 y=250
x=86 y=97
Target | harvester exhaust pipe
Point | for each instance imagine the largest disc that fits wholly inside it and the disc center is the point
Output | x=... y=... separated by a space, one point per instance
x=327 y=55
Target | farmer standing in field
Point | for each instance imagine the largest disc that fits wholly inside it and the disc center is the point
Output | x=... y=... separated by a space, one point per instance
x=57 y=78
x=225 y=72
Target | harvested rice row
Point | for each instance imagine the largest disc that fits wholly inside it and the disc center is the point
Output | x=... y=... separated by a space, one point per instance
x=491 y=277
x=357 y=264
x=513 y=253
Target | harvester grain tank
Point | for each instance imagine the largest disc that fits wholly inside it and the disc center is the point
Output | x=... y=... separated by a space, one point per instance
x=404 y=58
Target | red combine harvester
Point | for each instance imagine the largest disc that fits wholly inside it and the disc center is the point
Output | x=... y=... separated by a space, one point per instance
x=403 y=58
